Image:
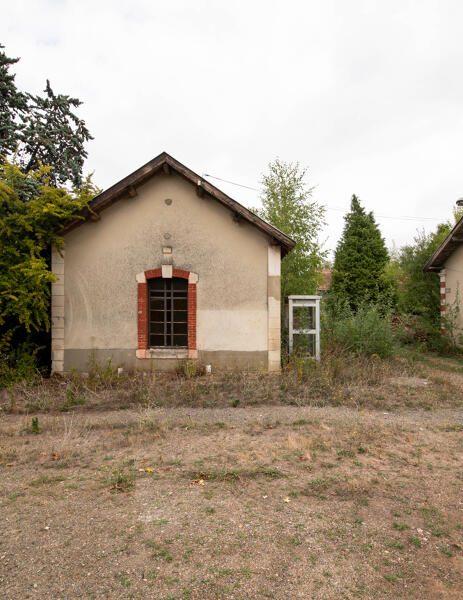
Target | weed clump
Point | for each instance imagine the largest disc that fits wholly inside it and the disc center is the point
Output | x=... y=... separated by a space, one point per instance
x=121 y=480
x=35 y=425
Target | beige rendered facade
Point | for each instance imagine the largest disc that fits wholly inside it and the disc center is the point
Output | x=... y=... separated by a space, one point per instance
x=161 y=227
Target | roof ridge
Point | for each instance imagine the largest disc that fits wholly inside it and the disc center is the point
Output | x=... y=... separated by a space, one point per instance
x=164 y=161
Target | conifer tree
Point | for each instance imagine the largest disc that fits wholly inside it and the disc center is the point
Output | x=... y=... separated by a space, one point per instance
x=42 y=130
x=54 y=135
x=360 y=259
x=13 y=106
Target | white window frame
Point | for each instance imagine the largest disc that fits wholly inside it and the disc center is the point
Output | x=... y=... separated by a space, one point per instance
x=312 y=302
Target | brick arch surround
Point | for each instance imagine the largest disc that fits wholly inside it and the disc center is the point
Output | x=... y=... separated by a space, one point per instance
x=142 y=285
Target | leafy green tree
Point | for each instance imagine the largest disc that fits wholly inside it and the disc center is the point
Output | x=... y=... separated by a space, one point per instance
x=419 y=292
x=31 y=213
x=360 y=261
x=287 y=205
x=13 y=106
x=42 y=130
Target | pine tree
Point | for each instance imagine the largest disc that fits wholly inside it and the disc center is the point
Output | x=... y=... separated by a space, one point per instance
x=13 y=106
x=360 y=259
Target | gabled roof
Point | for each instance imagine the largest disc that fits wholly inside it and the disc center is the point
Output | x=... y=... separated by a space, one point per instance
x=451 y=243
x=164 y=163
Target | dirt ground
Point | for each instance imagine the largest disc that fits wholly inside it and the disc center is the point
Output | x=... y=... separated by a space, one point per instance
x=267 y=501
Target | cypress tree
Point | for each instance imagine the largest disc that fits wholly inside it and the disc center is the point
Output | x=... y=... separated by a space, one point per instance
x=360 y=259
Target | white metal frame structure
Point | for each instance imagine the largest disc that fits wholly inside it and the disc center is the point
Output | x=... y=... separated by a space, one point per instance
x=309 y=302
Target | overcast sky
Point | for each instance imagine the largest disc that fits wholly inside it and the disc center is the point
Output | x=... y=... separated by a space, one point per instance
x=368 y=95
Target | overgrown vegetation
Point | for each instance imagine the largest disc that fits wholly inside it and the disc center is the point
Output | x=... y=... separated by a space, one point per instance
x=418 y=299
x=376 y=302
x=31 y=213
x=365 y=331
x=42 y=147
x=419 y=292
x=343 y=377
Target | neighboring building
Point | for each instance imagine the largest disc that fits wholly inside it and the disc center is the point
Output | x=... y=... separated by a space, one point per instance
x=448 y=262
x=164 y=267
x=325 y=286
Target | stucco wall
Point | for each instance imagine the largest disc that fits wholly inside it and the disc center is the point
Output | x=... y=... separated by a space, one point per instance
x=453 y=277
x=103 y=258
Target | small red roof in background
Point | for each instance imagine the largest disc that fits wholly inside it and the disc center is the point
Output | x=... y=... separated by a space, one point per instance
x=327 y=280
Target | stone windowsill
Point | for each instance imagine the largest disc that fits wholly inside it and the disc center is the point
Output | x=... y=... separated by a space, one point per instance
x=178 y=353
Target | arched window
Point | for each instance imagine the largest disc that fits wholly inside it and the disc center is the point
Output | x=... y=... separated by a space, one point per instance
x=167 y=311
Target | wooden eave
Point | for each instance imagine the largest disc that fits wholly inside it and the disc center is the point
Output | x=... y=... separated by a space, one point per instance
x=166 y=164
x=451 y=243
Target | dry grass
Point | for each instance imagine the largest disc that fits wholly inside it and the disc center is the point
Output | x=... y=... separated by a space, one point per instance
x=341 y=379
x=211 y=500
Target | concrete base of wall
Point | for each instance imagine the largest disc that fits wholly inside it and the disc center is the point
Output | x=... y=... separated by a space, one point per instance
x=82 y=360
x=224 y=360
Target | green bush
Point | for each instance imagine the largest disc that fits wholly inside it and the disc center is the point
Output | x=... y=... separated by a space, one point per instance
x=419 y=332
x=419 y=291
x=366 y=331
x=19 y=364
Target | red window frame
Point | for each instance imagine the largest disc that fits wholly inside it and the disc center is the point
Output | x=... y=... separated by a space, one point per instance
x=143 y=307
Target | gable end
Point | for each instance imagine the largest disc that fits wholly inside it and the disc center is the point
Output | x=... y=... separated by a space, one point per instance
x=164 y=163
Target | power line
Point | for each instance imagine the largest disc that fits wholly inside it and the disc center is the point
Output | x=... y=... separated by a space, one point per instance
x=231 y=182
x=335 y=208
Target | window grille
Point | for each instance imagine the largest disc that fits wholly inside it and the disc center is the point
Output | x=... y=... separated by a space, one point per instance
x=168 y=312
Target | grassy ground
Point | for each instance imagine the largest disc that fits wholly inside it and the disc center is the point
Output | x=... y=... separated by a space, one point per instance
x=336 y=484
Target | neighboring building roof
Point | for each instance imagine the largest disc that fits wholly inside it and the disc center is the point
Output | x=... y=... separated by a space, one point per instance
x=451 y=243
x=325 y=286
x=164 y=163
